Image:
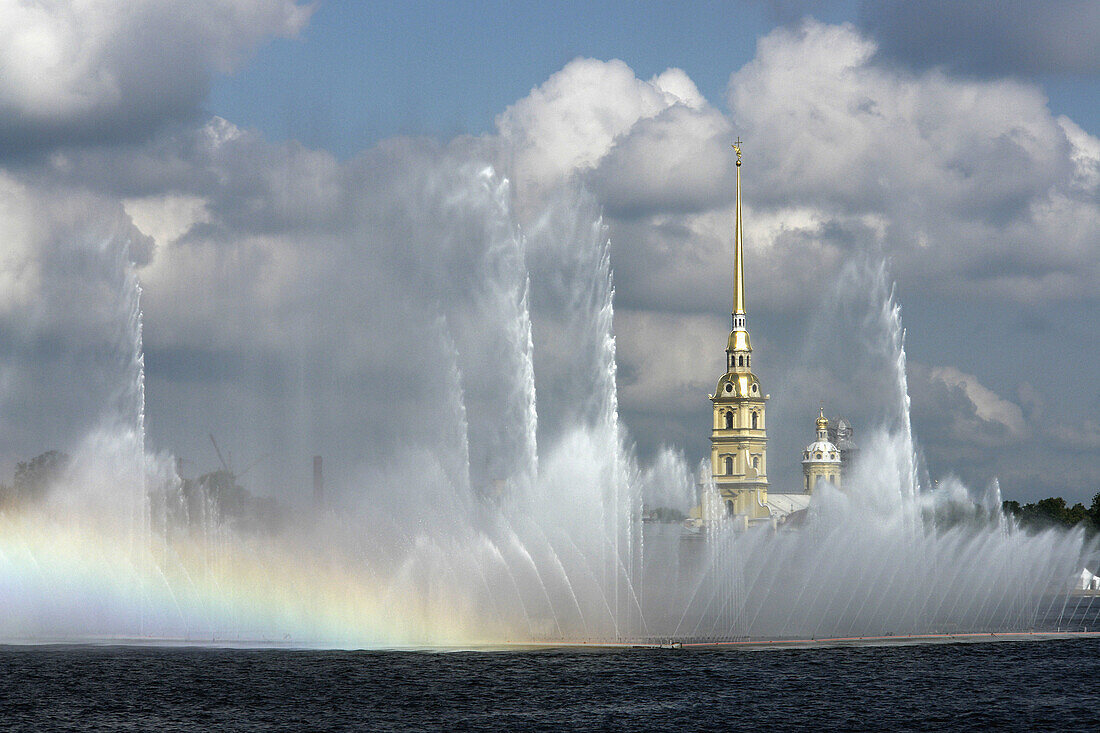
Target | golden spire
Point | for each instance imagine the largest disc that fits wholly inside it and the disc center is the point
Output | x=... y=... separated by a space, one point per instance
x=739 y=336
x=738 y=258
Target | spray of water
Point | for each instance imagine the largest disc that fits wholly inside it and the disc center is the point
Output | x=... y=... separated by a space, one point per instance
x=523 y=521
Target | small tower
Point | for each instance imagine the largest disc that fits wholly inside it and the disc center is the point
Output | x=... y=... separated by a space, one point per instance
x=820 y=459
x=842 y=436
x=738 y=451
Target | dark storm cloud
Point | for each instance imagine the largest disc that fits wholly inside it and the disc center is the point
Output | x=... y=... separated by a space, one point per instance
x=990 y=38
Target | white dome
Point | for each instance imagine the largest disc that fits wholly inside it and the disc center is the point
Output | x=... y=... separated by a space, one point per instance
x=821 y=451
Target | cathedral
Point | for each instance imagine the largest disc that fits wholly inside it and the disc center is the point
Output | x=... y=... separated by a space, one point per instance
x=739 y=437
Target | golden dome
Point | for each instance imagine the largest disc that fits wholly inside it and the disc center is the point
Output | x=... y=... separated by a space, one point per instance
x=738 y=384
x=738 y=341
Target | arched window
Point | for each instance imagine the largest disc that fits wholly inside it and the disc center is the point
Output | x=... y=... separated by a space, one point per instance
x=729 y=420
x=817 y=455
x=754 y=420
x=729 y=507
x=729 y=465
x=807 y=482
x=741 y=361
x=756 y=461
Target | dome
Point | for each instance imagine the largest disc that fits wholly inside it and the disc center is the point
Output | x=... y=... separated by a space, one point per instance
x=739 y=384
x=821 y=451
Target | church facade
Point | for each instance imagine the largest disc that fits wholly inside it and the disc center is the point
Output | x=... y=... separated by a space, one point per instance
x=739 y=438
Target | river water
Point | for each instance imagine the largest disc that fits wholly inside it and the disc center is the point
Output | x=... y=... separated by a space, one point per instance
x=1042 y=685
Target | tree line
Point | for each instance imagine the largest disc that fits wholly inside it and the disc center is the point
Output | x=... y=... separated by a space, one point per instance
x=33 y=478
x=214 y=494
x=1054 y=511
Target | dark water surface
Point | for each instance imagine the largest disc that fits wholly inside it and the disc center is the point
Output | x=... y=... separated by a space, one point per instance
x=1049 y=685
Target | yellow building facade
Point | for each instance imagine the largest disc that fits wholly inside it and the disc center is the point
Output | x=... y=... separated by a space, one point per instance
x=739 y=439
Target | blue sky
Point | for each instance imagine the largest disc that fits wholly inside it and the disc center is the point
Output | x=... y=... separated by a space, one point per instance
x=365 y=71
x=361 y=72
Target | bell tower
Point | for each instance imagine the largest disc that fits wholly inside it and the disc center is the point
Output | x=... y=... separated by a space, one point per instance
x=738 y=439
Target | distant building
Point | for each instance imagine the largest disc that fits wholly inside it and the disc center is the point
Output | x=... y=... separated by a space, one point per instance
x=820 y=459
x=841 y=435
x=738 y=438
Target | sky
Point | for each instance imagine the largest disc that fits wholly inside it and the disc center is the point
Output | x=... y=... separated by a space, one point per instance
x=303 y=192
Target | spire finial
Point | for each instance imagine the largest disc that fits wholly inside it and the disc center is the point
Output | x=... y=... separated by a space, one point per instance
x=737 y=146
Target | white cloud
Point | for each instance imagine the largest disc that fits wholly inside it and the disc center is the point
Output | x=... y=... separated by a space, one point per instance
x=987 y=404
x=963 y=173
x=570 y=122
x=671 y=362
x=827 y=124
x=166 y=217
x=300 y=296
x=102 y=70
x=677 y=160
x=52 y=240
x=973 y=187
x=1085 y=154
x=18 y=268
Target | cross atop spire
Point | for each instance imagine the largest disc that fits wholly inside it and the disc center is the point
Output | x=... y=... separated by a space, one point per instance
x=737 y=146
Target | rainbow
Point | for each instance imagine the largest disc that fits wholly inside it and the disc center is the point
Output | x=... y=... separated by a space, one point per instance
x=71 y=579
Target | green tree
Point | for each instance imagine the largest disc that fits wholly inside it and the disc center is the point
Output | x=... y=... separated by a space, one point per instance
x=1054 y=512
x=33 y=478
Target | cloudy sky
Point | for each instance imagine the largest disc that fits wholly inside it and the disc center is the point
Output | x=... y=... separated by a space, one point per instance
x=314 y=198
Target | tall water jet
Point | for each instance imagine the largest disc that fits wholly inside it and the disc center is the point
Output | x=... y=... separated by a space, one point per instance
x=570 y=256
x=515 y=521
x=494 y=344
x=103 y=491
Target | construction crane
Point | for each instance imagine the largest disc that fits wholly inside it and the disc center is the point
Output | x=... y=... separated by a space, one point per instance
x=219 y=452
x=228 y=466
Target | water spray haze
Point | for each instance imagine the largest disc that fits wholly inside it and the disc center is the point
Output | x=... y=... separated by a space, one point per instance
x=521 y=518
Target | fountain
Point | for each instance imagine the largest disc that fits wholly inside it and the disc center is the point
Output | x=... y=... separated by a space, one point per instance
x=523 y=523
